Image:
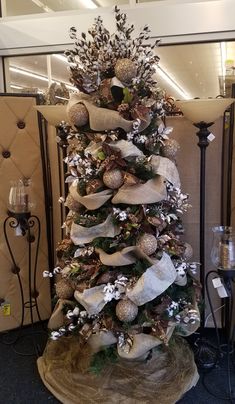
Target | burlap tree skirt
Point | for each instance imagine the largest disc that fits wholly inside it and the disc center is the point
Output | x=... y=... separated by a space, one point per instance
x=162 y=379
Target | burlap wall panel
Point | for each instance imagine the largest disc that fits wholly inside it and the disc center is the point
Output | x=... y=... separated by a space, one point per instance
x=24 y=161
x=188 y=161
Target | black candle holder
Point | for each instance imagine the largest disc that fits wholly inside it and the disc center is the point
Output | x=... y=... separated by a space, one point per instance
x=24 y=223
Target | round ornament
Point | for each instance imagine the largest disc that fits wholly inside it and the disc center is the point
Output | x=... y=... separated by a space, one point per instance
x=126 y=310
x=64 y=289
x=93 y=186
x=72 y=204
x=147 y=243
x=170 y=148
x=188 y=252
x=113 y=178
x=78 y=115
x=125 y=70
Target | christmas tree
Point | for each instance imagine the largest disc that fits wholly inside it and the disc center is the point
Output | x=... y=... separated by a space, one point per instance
x=126 y=281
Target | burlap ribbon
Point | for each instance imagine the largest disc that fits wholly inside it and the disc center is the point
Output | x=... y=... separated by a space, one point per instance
x=91 y=299
x=127 y=256
x=165 y=167
x=155 y=280
x=83 y=235
x=57 y=318
x=100 y=119
x=127 y=149
x=152 y=191
x=91 y=201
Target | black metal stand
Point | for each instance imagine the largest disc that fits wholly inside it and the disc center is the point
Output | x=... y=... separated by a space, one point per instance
x=63 y=144
x=228 y=277
x=23 y=223
x=203 y=142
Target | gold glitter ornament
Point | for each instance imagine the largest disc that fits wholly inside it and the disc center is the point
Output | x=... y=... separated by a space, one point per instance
x=125 y=70
x=126 y=310
x=64 y=289
x=170 y=148
x=188 y=252
x=147 y=243
x=78 y=115
x=113 y=178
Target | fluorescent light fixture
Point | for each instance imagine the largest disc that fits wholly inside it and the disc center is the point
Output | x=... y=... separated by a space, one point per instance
x=223 y=57
x=165 y=76
x=37 y=76
x=88 y=3
x=60 y=57
x=42 y=5
x=27 y=73
x=16 y=87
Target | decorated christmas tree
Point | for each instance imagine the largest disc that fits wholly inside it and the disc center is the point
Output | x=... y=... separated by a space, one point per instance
x=125 y=284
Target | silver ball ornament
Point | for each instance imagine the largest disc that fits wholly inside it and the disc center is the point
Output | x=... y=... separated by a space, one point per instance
x=78 y=115
x=125 y=70
x=113 y=178
x=147 y=243
x=126 y=310
x=64 y=289
x=170 y=148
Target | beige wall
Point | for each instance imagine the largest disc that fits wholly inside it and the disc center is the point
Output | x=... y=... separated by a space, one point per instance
x=24 y=161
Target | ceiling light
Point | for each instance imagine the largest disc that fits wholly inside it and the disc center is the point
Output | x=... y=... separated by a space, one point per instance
x=223 y=58
x=16 y=87
x=60 y=57
x=42 y=5
x=37 y=76
x=88 y=3
x=27 y=73
x=165 y=76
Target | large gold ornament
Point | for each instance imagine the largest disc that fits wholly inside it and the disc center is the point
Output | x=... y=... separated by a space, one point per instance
x=64 y=289
x=170 y=148
x=78 y=115
x=113 y=178
x=147 y=243
x=125 y=70
x=126 y=310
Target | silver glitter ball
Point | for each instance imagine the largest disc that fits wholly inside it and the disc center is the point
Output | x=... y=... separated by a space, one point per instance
x=126 y=310
x=125 y=70
x=170 y=148
x=113 y=178
x=78 y=115
x=147 y=243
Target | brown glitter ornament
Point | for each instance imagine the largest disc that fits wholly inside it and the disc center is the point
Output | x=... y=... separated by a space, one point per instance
x=72 y=204
x=126 y=310
x=64 y=289
x=188 y=252
x=78 y=115
x=93 y=186
x=125 y=70
x=113 y=178
x=170 y=148
x=147 y=243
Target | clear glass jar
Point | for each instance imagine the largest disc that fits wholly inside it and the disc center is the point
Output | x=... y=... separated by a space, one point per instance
x=20 y=200
x=223 y=248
